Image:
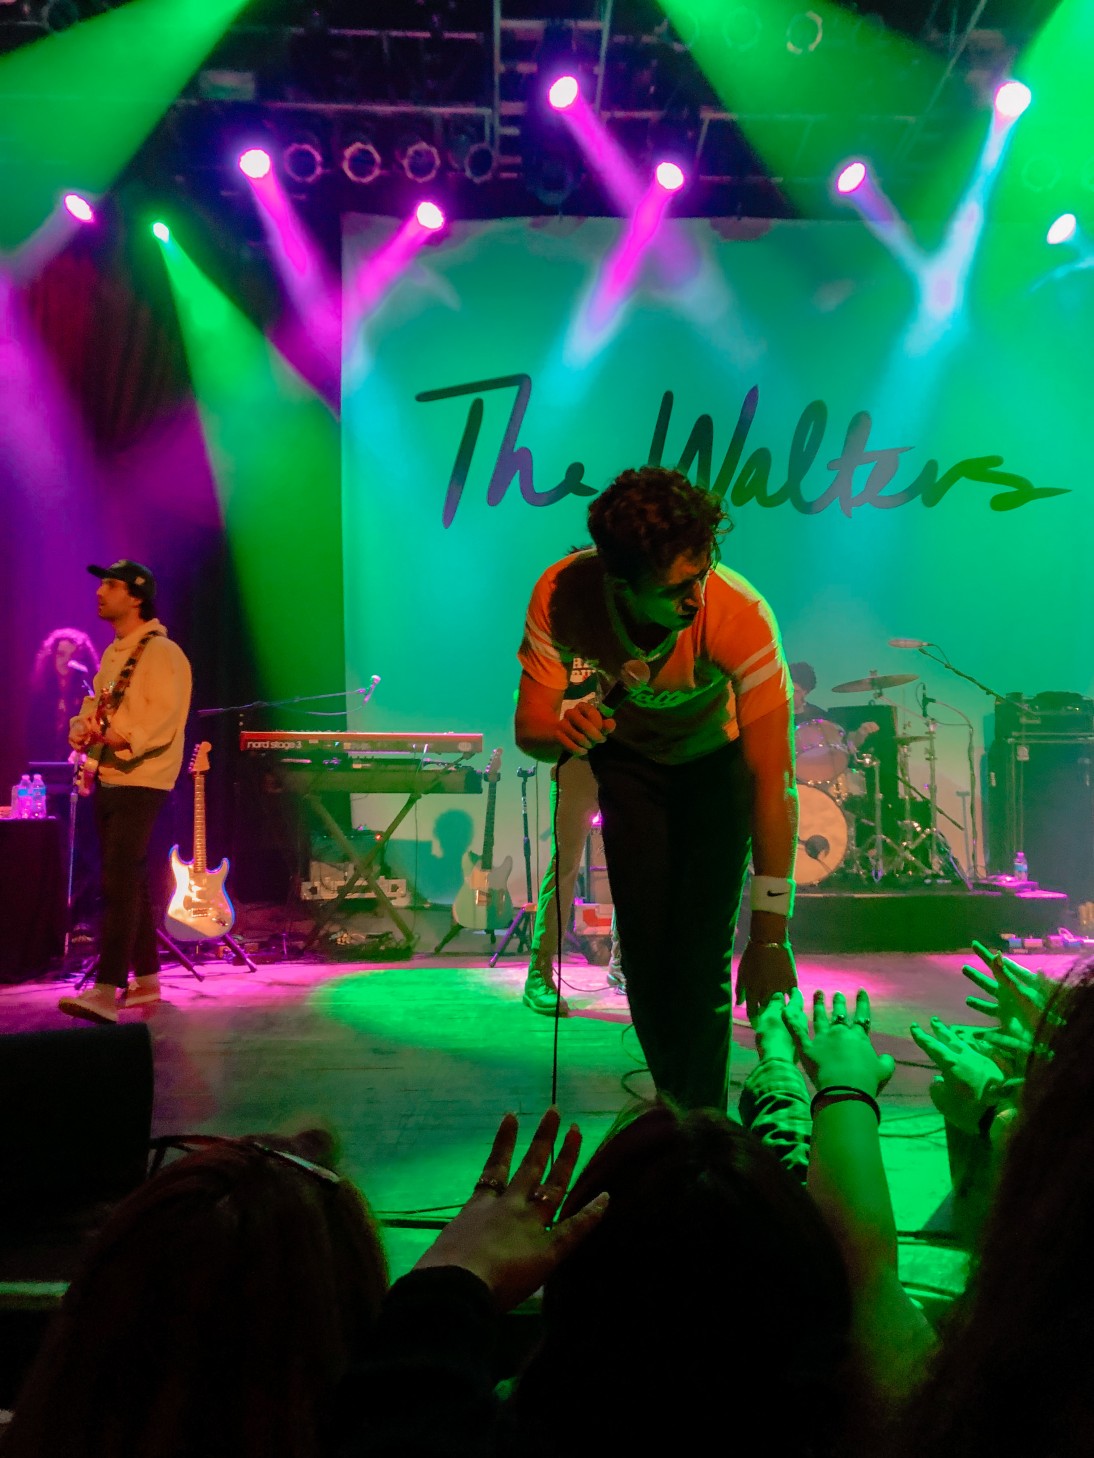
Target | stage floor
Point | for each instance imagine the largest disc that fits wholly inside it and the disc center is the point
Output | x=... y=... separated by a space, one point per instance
x=413 y=1063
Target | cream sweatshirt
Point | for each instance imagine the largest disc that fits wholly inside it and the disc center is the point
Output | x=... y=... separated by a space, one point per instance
x=151 y=717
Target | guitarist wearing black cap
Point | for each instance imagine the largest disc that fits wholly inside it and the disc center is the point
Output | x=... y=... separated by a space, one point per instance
x=132 y=732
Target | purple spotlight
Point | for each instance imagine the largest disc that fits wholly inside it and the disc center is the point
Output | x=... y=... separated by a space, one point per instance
x=563 y=92
x=255 y=163
x=669 y=176
x=1011 y=100
x=79 y=207
x=1063 y=229
x=851 y=177
x=429 y=216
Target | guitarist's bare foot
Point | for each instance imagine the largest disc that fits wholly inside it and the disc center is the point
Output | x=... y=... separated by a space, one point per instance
x=541 y=997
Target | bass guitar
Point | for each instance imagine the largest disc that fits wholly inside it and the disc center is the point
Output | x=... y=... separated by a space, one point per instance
x=483 y=902
x=200 y=909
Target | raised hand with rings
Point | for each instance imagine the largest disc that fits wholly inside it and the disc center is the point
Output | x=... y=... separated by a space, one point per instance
x=504 y=1233
x=839 y=1051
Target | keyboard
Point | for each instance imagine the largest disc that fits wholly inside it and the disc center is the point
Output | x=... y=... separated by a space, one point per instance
x=317 y=744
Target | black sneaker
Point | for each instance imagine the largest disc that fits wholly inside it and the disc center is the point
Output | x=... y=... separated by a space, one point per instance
x=540 y=996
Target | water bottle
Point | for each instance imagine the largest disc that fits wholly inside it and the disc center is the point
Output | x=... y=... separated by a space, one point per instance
x=38 y=795
x=1021 y=866
x=22 y=799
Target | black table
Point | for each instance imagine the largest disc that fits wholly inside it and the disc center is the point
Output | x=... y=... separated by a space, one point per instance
x=32 y=895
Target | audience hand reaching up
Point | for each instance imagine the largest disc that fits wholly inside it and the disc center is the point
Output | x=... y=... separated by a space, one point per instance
x=1017 y=997
x=840 y=1051
x=503 y=1234
x=968 y=1080
x=773 y=1038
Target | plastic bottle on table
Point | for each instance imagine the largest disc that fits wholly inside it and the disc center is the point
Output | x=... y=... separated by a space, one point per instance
x=1021 y=866
x=38 y=793
x=23 y=799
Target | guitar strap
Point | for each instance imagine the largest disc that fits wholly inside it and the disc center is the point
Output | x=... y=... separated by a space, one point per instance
x=110 y=702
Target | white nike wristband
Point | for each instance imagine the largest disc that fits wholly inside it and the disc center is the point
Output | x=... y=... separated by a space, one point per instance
x=772 y=893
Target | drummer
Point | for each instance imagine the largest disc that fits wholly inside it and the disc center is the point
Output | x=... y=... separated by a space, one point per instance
x=804 y=679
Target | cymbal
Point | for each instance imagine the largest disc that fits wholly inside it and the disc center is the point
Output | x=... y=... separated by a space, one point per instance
x=874 y=682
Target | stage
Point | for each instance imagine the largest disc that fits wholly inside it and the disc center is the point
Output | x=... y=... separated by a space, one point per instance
x=413 y=1063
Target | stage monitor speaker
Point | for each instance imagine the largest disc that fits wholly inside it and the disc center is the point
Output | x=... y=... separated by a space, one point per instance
x=1040 y=800
x=75 y=1117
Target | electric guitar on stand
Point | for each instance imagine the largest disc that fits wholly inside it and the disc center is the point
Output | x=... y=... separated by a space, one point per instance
x=200 y=909
x=483 y=902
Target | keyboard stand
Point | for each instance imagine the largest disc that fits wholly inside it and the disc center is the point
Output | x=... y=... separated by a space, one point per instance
x=365 y=871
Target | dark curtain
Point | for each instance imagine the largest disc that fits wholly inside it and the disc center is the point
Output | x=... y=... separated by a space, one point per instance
x=102 y=455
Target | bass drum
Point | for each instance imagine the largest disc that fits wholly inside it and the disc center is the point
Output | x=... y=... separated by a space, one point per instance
x=821 y=752
x=822 y=836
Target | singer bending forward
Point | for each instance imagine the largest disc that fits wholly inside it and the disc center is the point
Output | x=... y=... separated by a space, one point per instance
x=694 y=769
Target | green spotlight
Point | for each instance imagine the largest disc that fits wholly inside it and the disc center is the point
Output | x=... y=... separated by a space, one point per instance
x=162 y=232
x=275 y=452
x=80 y=102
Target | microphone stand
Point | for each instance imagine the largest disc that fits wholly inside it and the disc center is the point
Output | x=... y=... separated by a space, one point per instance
x=942 y=658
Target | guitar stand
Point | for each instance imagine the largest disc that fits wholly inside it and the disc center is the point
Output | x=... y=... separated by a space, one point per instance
x=239 y=956
x=521 y=928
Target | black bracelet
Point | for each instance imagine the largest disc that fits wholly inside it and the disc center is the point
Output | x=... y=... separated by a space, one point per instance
x=839 y=1093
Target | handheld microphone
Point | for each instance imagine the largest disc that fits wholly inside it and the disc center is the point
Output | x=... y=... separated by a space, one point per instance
x=910 y=643
x=75 y=667
x=633 y=674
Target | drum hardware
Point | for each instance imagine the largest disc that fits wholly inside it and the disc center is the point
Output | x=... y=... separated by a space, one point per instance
x=874 y=683
x=821 y=753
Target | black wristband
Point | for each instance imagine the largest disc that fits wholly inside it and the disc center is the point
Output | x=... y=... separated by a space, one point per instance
x=840 y=1093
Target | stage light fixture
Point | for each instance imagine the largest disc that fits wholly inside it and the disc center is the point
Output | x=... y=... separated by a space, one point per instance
x=419 y=159
x=303 y=161
x=1063 y=229
x=430 y=216
x=851 y=178
x=1011 y=99
x=255 y=163
x=804 y=33
x=361 y=160
x=670 y=176
x=162 y=232
x=79 y=207
x=563 y=92
x=742 y=28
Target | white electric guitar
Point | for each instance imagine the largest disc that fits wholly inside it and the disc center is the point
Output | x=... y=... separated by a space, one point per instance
x=199 y=910
x=483 y=902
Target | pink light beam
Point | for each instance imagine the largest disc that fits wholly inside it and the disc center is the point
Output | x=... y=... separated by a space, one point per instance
x=563 y=93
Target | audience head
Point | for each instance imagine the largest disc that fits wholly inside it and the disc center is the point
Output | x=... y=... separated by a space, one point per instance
x=1011 y=1374
x=711 y=1268
x=215 y=1313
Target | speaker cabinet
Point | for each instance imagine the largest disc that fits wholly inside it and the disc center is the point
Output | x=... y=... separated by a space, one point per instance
x=1040 y=799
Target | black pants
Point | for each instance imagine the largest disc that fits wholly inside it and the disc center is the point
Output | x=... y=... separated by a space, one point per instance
x=124 y=817
x=677 y=840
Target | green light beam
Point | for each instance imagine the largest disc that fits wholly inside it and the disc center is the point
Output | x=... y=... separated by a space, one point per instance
x=76 y=106
x=274 y=449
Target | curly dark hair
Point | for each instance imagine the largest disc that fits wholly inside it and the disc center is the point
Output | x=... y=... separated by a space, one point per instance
x=650 y=516
x=1012 y=1373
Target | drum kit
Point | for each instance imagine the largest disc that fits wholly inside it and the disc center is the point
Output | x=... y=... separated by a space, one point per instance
x=843 y=813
